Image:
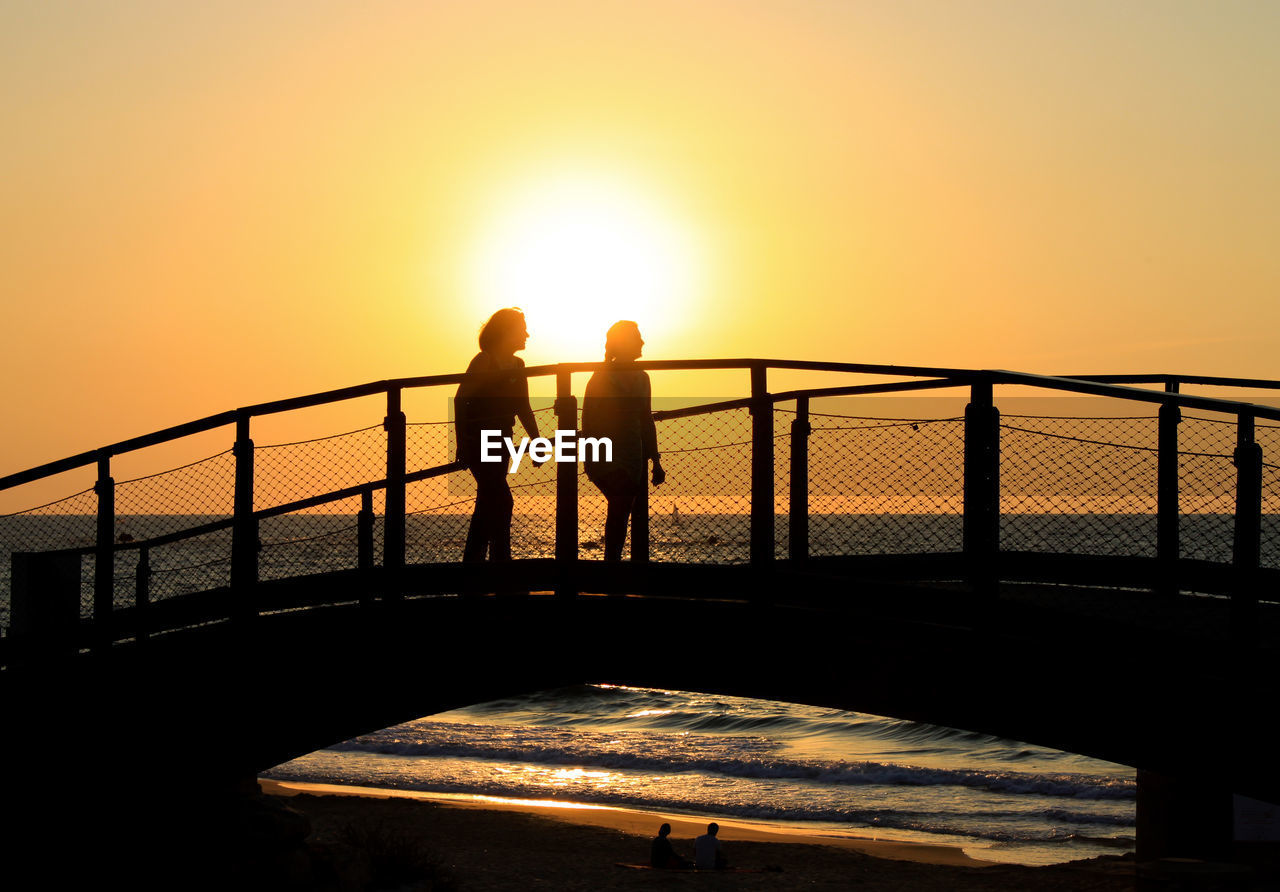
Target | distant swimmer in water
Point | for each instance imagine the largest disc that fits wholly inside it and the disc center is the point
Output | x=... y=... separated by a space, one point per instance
x=617 y=405
x=493 y=394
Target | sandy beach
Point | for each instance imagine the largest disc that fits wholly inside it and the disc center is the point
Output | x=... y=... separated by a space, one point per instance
x=474 y=844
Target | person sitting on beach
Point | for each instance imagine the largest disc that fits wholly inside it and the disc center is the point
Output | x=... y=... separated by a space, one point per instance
x=662 y=854
x=706 y=850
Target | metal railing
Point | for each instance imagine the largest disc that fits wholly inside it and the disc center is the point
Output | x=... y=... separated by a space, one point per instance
x=753 y=468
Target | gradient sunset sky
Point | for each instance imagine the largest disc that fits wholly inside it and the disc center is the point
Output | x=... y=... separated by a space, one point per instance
x=210 y=206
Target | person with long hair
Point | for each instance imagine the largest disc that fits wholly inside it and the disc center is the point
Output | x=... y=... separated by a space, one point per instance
x=493 y=394
x=617 y=405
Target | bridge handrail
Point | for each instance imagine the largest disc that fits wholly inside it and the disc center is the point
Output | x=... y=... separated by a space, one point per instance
x=1176 y=380
x=1137 y=394
x=1096 y=385
x=979 y=487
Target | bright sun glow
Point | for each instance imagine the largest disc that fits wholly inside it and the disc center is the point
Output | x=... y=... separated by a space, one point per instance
x=577 y=253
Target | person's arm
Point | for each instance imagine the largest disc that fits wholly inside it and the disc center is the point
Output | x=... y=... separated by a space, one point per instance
x=523 y=410
x=460 y=414
x=649 y=432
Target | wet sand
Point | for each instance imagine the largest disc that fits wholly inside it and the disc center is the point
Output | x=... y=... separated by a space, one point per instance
x=479 y=844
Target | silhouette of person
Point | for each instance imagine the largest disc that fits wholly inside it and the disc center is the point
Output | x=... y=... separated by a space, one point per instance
x=662 y=854
x=706 y=850
x=617 y=406
x=491 y=396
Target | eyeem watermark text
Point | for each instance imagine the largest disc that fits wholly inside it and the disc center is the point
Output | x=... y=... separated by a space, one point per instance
x=566 y=447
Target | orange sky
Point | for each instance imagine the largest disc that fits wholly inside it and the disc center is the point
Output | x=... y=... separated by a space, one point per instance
x=206 y=208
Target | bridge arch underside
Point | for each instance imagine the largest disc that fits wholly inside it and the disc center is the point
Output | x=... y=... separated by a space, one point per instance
x=222 y=702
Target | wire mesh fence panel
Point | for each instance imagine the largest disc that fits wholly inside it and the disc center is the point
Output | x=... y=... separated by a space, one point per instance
x=288 y=472
x=438 y=515
x=69 y=522
x=125 y=581
x=191 y=565
x=1268 y=437
x=782 y=479
x=885 y=485
x=428 y=444
x=533 y=518
x=1078 y=485
x=1206 y=488
x=379 y=504
x=88 y=568
x=303 y=544
x=177 y=499
x=702 y=513
x=1270 y=545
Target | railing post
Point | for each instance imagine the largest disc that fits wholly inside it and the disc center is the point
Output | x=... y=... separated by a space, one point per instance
x=364 y=533
x=798 y=523
x=1248 y=527
x=567 y=490
x=394 y=527
x=104 y=555
x=1168 y=541
x=982 y=487
x=142 y=593
x=244 y=527
x=761 y=469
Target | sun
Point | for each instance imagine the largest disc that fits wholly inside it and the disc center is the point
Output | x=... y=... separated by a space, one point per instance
x=578 y=252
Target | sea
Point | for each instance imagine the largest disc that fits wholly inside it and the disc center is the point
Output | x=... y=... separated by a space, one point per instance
x=710 y=757
x=717 y=758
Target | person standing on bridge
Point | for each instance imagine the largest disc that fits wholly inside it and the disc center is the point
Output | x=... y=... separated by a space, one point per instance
x=617 y=405
x=493 y=394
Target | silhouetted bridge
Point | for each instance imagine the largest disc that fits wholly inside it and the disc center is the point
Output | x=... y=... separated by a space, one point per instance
x=1076 y=581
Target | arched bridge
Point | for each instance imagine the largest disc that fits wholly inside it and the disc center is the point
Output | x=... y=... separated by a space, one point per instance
x=1070 y=578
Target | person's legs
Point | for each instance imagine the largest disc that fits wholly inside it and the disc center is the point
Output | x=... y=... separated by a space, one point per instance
x=500 y=531
x=477 y=531
x=490 y=528
x=616 y=518
x=620 y=494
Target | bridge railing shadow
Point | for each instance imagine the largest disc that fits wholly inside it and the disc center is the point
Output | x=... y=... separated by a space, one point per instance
x=1162 y=490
